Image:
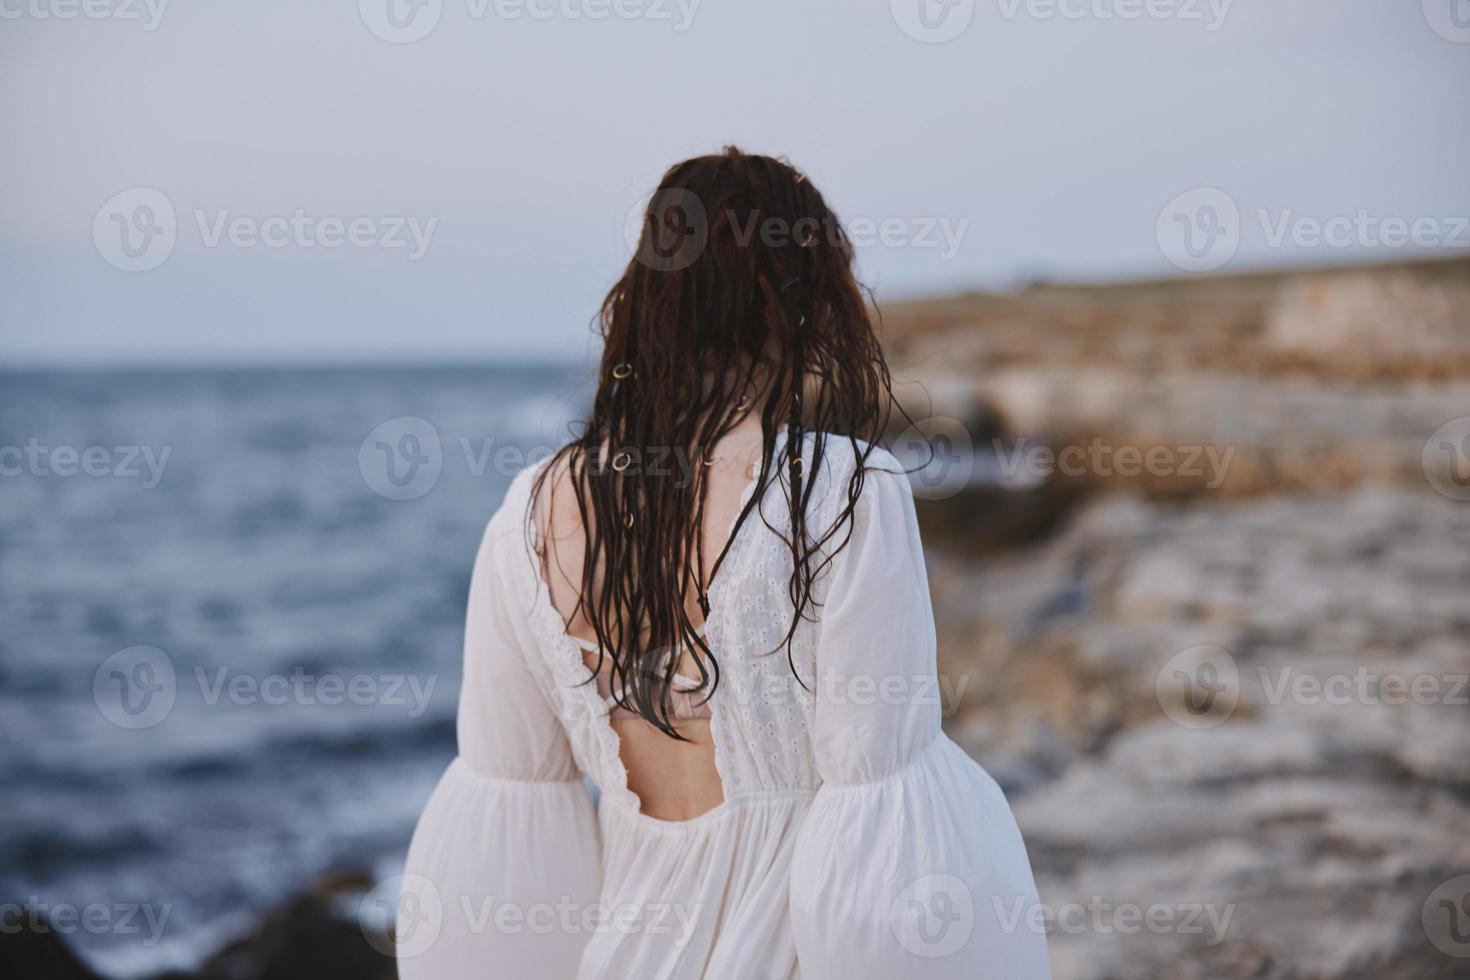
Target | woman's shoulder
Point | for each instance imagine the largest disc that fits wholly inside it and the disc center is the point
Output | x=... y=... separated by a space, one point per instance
x=843 y=455
x=513 y=512
x=853 y=471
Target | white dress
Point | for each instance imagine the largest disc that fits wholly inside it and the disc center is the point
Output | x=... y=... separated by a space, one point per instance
x=855 y=839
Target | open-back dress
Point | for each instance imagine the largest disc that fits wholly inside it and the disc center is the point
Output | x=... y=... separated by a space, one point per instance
x=855 y=840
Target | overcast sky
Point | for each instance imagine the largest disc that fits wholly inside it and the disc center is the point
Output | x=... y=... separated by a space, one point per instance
x=490 y=151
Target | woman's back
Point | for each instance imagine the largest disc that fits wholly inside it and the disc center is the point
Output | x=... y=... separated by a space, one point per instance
x=847 y=826
x=673 y=779
x=756 y=735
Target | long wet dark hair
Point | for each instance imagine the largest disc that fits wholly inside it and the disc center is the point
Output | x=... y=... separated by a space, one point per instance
x=740 y=299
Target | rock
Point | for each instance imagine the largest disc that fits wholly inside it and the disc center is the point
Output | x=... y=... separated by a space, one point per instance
x=1389 y=312
x=32 y=949
x=1294 y=861
x=314 y=935
x=1308 y=381
x=1304 y=823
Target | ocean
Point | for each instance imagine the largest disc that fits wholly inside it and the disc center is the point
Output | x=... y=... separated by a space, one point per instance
x=231 y=608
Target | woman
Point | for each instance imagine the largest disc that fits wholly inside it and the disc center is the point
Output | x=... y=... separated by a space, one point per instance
x=713 y=606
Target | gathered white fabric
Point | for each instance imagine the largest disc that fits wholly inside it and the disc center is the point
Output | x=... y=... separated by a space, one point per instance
x=855 y=839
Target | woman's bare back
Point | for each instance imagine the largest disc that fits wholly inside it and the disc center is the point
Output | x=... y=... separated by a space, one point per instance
x=673 y=780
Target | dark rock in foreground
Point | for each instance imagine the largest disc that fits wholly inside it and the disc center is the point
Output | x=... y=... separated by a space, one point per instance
x=314 y=936
x=30 y=949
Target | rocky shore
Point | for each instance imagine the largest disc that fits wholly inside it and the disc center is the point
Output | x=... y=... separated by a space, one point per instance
x=1235 y=700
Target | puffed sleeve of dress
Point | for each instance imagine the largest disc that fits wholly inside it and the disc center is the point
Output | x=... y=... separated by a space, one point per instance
x=909 y=863
x=509 y=838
